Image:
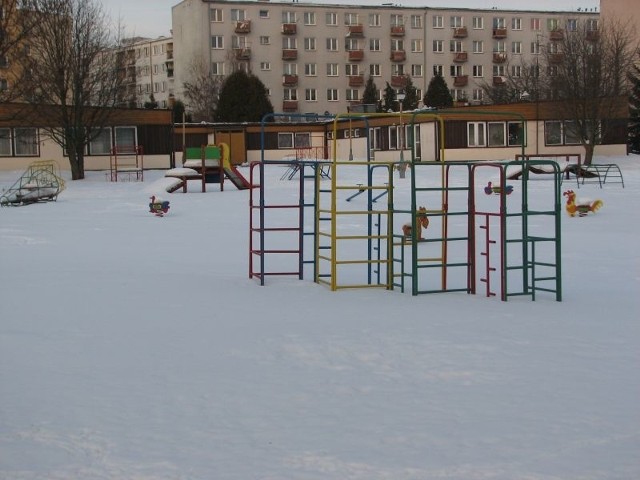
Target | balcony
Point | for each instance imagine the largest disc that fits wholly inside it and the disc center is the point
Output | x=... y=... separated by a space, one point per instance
x=593 y=35
x=242 y=53
x=398 y=81
x=355 y=31
x=289 y=54
x=556 y=35
x=290 y=80
x=461 y=81
x=556 y=58
x=243 y=26
x=499 y=33
x=290 y=106
x=356 y=80
x=398 y=56
x=460 y=32
x=460 y=57
x=356 y=55
x=289 y=28
x=499 y=57
x=397 y=30
x=499 y=81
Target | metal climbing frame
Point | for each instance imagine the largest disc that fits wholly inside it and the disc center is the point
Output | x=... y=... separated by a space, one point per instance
x=512 y=234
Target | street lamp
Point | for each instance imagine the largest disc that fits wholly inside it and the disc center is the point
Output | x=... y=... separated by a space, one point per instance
x=350 y=135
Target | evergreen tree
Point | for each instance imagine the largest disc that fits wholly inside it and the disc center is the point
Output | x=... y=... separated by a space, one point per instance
x=634 y=111
x=370 y=95
x=243 y=98
x=388 y=99
x=411 y=99
x=438 y=94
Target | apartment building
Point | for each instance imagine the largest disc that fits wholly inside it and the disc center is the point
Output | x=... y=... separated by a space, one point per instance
x=148 y=72
x=316 y=58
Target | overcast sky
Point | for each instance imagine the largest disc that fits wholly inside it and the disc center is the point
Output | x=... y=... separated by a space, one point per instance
x=152 y=18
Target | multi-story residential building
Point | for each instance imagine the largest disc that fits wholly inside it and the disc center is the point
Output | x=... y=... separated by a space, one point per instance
x=148 y=72
x=316 y=58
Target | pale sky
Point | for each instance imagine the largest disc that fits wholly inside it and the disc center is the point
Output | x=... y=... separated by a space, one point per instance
x=152 y=18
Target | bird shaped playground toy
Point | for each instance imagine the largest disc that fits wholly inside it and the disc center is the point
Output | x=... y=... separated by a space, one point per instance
x=581 y=207
x=422 y=221
x=158 y=207
x=490 y=189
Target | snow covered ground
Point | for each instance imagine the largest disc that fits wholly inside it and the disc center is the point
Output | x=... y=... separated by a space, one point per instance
x=134 y=347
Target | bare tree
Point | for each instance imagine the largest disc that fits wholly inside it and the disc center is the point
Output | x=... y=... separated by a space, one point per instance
x=73 y=68
x=588 y=71
x=201 y=91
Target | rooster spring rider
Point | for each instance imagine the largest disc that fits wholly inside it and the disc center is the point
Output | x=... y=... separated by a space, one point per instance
x=581 y=207
x=422 y=221
x=158 y=207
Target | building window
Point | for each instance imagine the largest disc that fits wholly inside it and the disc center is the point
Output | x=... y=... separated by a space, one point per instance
x=496 y=134
x=455 y=21
x=515 y=134
x=438 y=46
x=311 y=95
x=535 y=24
x=26 y=142
x=553 y=133
x=351 y=44
x=477 y=46
x=374 y=44
x=5 y=142
x=478 y=95
x=332 y=69
x=516 y=71
x=4 y=84
x=265 y=66
x=332 y=95
x=351 y=70
x=516 y=47
x=332 y=44
x=396 y=20
x=310 y=44
x=309 y=18
x=437 y=70
x=516 y=23
x=476 y=136
x=290 y=94
x=437 y=21
x=552 y=24
x=217 y=68
x=217 y=42
x=499 y=47
x=499 y=22
x=310 y=69
x=397 y=70
x=265 y=40
x=331 y=19
x=572 y=24
x=374 y=70
x=237 y=15
x=374 y=20
x=592 y=25
x=101 y=143
x=456 y=70
x=351 y=19
x=125 y=137
x=352 y=95
x=416 y=46
x=285 y=140
x=263 y=13
x=416 y=70
x=289 y=17
x=416 y=21
x=455 y=46
x=477 y=23
x=290 y=69
x=215 y=15
x=478 y=71
x=535 y=48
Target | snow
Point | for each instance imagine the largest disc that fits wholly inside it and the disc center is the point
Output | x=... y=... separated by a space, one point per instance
x=135 y=347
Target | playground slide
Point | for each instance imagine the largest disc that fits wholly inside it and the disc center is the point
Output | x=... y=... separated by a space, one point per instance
x=236 y=177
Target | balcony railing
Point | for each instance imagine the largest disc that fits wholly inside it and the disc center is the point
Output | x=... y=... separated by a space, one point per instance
x=499 y=57
x=398 y=56
x=556 y=35
x=556 y=58
x=461 y=81
x=356 y=80
x=289 y=54
x=289 y=105
x=289 y=28
x=356 y=55
x=243 y=26
x=499 y=33
x=460 y=32
x=289 y=80
x=242 y=53
x=397 y=30
x=398 y=81
x=355 y=31
x=593 y=35
x=460 y=57
x=499 y=80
